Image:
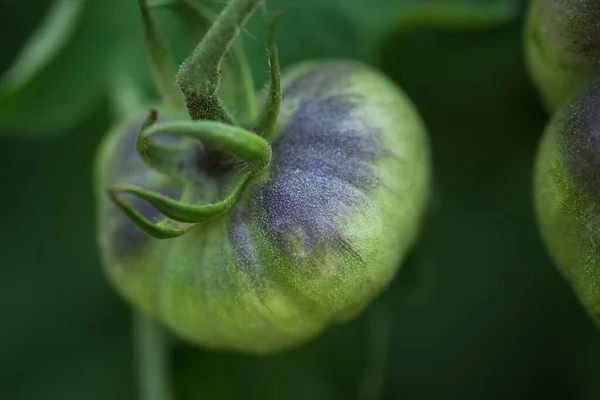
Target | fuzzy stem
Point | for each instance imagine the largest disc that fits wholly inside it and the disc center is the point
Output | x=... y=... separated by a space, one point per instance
x=151 y=346
x=200 y=75
x=239 y=89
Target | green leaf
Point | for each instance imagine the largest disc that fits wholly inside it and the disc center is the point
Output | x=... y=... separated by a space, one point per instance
x=355 y=28
x=64 y=89
x=63 y=71
x=42 y=47
x=102 y=41
x=493 y=320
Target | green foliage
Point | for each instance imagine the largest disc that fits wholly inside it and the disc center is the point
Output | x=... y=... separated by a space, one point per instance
x=74 y=77
x=44 y=45
x=74 y=65
x=479 y=311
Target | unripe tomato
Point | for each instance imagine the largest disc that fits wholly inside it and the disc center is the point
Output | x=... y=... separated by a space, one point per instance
x=567 y=193
x=561 y=43
x=310 y=241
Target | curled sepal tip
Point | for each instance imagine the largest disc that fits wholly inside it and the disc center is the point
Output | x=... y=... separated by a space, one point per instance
x=148 y=122
x=162 y=230
x=171 y=160
x=267 y=119
x=181 y=211
x=143 y=144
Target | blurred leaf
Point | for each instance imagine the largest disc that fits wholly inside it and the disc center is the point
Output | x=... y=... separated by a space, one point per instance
x=66 y=91
x=59 y=86
x=20 y=22
x=65 y=332
x=477 y=311
x=43 y=45
x=493 y=308
x=316 y=29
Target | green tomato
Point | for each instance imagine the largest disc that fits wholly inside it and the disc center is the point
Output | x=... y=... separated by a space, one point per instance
x=561 y=44
x=254 y=230
x=567 y=194
x=310 y=241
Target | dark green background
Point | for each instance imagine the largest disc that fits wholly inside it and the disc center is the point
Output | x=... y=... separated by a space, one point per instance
x=477 y=311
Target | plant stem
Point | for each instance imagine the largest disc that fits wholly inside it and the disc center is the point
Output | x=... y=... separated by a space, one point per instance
x=238 y=90
x=376 y=357
x=151 y=351
x=200 y=75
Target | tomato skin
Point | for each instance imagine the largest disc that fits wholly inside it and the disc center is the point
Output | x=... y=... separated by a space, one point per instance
x=561 y=46
x=567 y=194
x=311 y=241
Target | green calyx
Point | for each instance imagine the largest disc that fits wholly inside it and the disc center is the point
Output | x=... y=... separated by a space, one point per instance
x=212 y=132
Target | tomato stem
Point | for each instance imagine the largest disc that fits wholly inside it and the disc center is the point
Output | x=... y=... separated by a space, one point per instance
x=239 y=91
x=151 y=345
x=200 y=75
